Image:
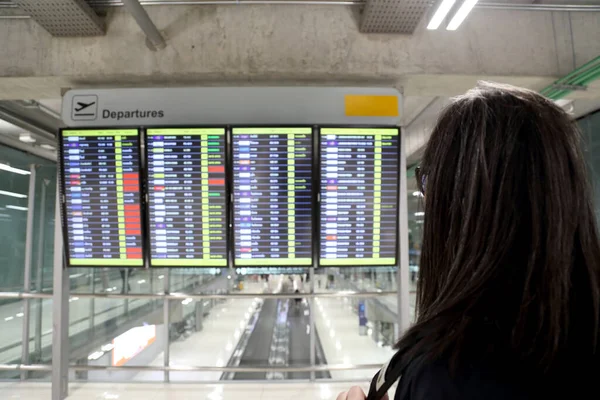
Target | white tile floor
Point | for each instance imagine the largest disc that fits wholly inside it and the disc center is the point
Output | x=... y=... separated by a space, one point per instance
x=153 y=391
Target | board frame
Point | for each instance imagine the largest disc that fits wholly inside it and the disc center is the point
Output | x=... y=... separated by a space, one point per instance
x=63 y=197
x=312 y=230
x=227 y=195
x=396 y=216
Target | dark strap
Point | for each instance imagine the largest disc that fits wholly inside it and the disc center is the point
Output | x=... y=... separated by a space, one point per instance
x=387 y=376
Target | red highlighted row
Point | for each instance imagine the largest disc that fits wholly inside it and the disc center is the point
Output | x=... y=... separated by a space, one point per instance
x=216 y=169
x=134 y=176
x=134 y=252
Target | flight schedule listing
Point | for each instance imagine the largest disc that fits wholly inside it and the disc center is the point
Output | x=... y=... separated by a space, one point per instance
x=101 y=175
x=359 y=186
x=187 y=197
x=272 y=196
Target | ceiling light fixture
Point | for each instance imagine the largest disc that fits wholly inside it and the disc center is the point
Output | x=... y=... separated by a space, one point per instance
x=461 y=14
x=8 y=168
x=17 y=208
x=47 y=147
x=440 y=14
x=27 y=138
x=13 y=194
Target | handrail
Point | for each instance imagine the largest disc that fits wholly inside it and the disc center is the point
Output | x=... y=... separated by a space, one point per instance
x=197 y=296
x=181 y=368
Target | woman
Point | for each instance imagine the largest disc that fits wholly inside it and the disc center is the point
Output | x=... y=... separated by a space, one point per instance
x=508 y=293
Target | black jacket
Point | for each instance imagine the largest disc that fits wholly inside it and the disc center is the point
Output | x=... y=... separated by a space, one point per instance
x=433 y=381
x=496 y=380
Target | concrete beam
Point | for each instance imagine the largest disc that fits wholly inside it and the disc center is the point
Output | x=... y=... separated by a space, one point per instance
x=220 y=45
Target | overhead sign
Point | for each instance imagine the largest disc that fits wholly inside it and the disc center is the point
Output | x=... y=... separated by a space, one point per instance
x=231 y=106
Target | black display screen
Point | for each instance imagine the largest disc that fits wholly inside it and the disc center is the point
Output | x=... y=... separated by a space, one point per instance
x=272 y=196
x=102 y=209
x=359 y=196
x=187 y=197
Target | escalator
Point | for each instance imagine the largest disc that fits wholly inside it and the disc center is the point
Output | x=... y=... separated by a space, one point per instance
x=279 y=336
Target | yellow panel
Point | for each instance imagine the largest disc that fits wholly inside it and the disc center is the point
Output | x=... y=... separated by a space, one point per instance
x=371 y=106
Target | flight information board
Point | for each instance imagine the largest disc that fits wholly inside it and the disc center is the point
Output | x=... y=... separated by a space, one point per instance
x=102 y=209
x=187 y=197
x=359 y=196
x=272 y=196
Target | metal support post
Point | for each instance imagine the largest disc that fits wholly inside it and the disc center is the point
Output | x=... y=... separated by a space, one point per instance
x=167 y=323
x=40 y=271
x=311 y=321
x=154 y=38
x=92 y=319
x=403 y=277
x=126 y=291
x=27 y=273
x=60 y=315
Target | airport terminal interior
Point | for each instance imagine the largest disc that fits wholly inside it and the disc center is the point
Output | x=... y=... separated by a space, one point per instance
x=217 y=199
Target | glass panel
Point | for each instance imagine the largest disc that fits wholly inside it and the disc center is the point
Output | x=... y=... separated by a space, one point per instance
x=590 y=128
x=14 y=186
x=11 y=325
x=43 y=227
x=40 y=331
x=416 y=217
x=355 y=331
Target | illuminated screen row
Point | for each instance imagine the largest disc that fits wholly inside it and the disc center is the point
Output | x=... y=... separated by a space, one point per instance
x=174 y=211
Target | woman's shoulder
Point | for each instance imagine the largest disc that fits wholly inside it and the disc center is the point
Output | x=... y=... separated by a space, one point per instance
x=433 y=380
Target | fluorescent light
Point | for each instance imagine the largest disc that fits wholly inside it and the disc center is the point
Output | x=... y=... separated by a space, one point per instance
x=17 y=208
x=9 y=318
x=13 y=194
x=419 y=214
x=440 y=14
x=27 y=138
x=95 y=355
x=47 y=147
x=107 y=347
x=6 y=167
x=461 y=14
x=20 y=315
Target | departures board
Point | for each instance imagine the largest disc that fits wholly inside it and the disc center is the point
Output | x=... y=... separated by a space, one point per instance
x=102 y=200
x=272 y=191
x=359 y=196
x=244 y=197
x=187 y=197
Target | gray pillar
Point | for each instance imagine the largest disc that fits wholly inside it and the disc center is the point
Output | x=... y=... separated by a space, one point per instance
x=60 y=315
x=403 y=277
x=167 y=323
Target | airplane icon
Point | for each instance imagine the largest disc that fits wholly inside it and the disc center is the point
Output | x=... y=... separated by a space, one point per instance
x=83 y=106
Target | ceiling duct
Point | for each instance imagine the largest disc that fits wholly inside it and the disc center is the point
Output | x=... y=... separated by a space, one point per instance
x=393 y=16
x=64 y=17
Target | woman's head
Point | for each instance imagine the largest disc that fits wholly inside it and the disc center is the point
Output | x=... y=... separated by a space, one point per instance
x=510 y=238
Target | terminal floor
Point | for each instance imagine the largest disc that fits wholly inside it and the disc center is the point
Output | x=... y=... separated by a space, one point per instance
x=155 y=391
x=335 y=321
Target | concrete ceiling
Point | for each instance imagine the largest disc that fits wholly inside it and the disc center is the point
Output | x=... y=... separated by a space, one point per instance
x=322 y=45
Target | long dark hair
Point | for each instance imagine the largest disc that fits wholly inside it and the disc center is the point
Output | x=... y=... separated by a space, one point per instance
x=510 y=262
